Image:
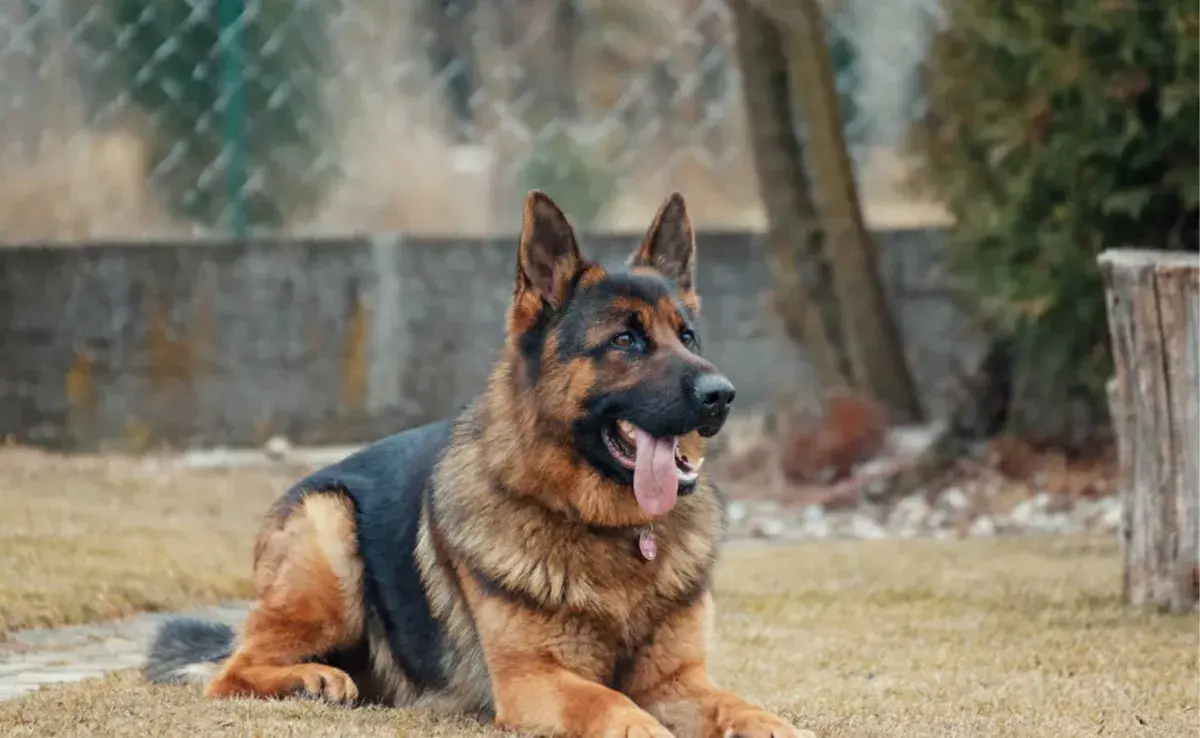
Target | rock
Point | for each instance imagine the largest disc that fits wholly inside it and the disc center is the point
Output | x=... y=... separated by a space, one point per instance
x=1056 y=502
x=277 y=448
x=1085 y=512
x=154 y=465
x=736 y=512
x=909 y=517
x=320 y=456
x=812 y=513
x=912 y=440
x=954 y=499
x=1003 y=523
x=1113 y=514
x=221 y=458
x=814 y=523
x=875 y=466
x=1041 y=522
x=1065 y=522
x=817 y=531
x=938 y=519
x=1023 y=512
x=865 y=528
x=770 y=528
x=876 y=489
x=982 y=527
x=1100 y=515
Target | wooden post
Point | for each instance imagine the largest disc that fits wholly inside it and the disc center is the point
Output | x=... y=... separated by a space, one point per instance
x=1154 y=322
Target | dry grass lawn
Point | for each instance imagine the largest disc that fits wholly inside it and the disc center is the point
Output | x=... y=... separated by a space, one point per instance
x=89 y=538
x=978 y=638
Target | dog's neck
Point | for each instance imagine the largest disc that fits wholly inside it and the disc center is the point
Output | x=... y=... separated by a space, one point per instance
x=532 y=456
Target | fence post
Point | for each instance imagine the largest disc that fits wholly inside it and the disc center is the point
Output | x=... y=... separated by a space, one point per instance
x=233 y=83
x=1153 y=302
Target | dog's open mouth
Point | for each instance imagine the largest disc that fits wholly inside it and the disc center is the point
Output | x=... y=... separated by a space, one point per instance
x=661 y=471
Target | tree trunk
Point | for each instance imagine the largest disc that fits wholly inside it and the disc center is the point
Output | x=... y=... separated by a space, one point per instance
x=804 y=301
x=859 y=322
x=871 y=334
x=1154 y=316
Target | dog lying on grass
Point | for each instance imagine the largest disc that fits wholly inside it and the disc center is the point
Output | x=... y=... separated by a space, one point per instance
x=544 y=559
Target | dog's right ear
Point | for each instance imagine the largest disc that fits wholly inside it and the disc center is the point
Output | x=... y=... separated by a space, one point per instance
x=548 y=259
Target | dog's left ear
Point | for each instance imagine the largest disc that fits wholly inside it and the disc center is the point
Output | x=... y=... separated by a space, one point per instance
x=548 y=258
x=670 y=245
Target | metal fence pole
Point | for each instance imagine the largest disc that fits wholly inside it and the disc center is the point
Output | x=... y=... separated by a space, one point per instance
x=233 y=82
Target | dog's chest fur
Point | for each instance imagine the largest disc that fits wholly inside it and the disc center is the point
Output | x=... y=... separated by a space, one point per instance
x=587 y=583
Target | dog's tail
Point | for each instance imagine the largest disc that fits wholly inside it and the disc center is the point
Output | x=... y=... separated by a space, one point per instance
x=188 y=651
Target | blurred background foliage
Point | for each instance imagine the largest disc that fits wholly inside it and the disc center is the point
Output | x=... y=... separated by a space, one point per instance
x=1053 y=131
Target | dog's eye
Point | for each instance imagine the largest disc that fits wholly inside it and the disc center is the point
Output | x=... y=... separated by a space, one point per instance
x=624 y=341
x=688 y=338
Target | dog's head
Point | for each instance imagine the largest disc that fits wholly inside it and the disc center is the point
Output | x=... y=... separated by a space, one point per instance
x=611 y=359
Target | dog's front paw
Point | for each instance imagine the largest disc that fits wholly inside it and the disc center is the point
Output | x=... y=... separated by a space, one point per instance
x=761 y=724
x=325 y=683
x=633 y=723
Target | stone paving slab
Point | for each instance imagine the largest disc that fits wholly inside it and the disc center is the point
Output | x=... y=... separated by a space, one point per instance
x=32 y=658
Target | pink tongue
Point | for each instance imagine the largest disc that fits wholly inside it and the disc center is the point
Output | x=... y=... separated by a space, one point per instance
x=655 y=483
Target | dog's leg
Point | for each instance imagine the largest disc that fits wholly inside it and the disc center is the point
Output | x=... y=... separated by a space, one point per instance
x=545 y=672
x=537 y=696
x=669 y=680
x=308 y=578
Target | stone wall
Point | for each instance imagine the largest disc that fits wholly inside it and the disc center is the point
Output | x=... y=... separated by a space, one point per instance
x=337 y=341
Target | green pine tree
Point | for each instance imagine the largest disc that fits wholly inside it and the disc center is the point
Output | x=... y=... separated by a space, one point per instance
x=1053 y=132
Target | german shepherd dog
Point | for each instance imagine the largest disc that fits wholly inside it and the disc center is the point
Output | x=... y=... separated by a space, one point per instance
x=542 y=560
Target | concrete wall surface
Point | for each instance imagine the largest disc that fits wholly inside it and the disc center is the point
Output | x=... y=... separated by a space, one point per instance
x=337 y=341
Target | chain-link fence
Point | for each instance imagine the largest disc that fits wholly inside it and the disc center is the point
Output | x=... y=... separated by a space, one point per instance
x=121 y=119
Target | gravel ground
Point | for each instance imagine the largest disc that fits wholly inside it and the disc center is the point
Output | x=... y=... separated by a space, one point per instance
x=954 y=513
x=979 y=501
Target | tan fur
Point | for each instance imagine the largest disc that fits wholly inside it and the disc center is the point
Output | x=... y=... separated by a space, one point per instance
x=547 y=670
x=670 y=681
x=308 y=579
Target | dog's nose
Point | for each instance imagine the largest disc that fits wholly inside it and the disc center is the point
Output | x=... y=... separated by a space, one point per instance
x=715 y=393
